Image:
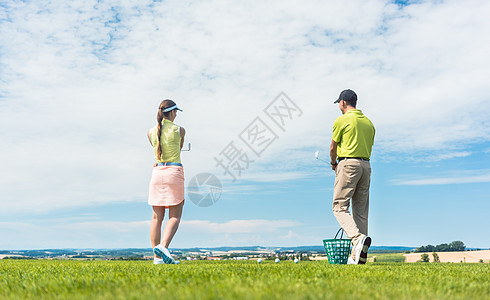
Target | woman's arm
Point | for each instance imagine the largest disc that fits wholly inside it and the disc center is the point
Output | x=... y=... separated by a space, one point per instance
x=182 y=135
x=149 y=138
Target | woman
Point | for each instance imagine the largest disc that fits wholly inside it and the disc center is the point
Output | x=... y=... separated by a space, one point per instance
x=167 y=180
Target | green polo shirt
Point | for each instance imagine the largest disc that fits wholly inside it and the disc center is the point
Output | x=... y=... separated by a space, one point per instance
x=354 y=133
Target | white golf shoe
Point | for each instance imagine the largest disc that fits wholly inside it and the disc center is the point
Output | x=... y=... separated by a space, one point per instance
x=361 y=250
x=350 y=261
x=158 y=261
x=163 y=252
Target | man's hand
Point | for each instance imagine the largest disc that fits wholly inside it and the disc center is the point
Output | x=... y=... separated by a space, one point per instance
x=333 y=155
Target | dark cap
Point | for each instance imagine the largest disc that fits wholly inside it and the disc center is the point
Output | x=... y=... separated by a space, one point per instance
x=347 y=95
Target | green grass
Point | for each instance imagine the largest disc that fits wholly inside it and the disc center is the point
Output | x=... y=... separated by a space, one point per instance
x=388 y=257
x=48 y=279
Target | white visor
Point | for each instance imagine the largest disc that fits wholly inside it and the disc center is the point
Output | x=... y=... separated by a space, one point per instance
x=171 y=108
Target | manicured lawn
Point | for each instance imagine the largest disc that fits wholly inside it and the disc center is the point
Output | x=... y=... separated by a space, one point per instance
x=388 y=257
x=51 y=279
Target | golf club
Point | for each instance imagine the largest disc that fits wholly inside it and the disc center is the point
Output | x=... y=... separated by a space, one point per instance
x=317 y=156
x=188 y=148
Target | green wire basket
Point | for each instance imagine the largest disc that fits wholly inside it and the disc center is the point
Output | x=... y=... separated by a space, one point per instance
x=338 y=250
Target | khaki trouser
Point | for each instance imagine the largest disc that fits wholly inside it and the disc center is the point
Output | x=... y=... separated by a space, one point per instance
x=352 y=179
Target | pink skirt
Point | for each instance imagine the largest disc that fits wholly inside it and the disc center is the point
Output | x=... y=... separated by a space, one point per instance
x=166 y=186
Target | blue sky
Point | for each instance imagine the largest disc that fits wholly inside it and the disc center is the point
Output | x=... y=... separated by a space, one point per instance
x=81 y=82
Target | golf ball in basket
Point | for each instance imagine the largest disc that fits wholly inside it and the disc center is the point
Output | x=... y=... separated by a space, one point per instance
x=296 y=260
x=259 y=260
x=277 y=260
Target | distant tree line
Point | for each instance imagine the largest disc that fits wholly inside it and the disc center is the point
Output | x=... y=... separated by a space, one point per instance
x=453 y=246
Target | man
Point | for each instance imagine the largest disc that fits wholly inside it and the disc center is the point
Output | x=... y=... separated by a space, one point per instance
x=350 y=151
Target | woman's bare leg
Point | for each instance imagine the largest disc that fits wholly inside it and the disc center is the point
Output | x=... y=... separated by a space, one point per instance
x=156 y=225
x=174 y=214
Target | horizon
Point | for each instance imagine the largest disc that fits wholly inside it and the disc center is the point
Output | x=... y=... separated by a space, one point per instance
x=234 y=247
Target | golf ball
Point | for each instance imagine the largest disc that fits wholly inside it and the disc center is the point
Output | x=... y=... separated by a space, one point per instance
x=296 y=260
x=259 y=260
x=277 y=260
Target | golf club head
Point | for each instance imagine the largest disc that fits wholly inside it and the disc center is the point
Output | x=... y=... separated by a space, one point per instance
x=188 y=148
x=317 y=156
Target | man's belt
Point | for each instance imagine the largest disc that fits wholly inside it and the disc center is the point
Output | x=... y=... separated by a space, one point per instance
x=169 y=164
x=361 y=158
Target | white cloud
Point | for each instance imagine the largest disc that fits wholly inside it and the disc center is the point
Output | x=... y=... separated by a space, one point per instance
x=66 y=233
x=17 y=225
x=440 y=155
x=203 y=226
x=69 y=233
x=450 y=155
x=81 y=83
x=274 y=176
x=238 y=226
x=479 y=176
x=114 y=226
